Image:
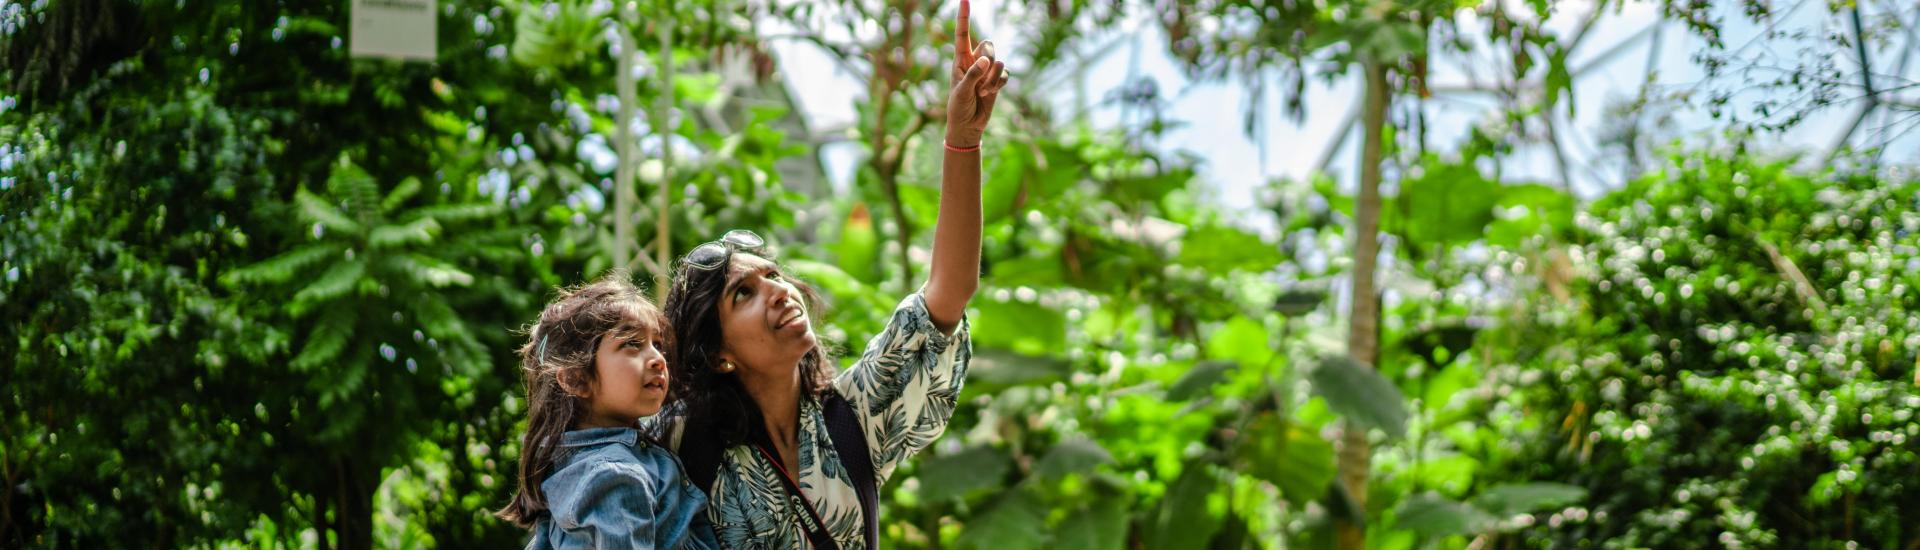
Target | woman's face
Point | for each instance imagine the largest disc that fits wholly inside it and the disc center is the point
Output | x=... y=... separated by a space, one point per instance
x=763 y=318
x=631 y=378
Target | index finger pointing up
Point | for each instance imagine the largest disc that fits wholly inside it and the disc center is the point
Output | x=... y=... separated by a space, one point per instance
x=962 y=39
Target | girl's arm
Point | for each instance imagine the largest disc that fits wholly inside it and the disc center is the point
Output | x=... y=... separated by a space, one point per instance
x=977 y=80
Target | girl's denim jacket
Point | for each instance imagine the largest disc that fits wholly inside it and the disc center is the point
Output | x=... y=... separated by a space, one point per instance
x=611 y=488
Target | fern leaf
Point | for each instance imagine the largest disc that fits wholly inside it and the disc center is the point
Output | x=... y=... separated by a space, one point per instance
x=328 y=339
x=281 y=268
x=453 y=213
x=399 y=195
x=421 y=231
x=430 y=271
x=315 y=209
x=336 y=282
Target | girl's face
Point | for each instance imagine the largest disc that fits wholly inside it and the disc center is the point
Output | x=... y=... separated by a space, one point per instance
x=631 y=379
x=763 y=318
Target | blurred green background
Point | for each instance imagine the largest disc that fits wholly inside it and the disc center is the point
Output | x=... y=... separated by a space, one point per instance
x=261 y=293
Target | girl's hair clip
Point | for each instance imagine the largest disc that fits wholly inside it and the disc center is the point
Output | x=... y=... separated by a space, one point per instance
x=543 y=348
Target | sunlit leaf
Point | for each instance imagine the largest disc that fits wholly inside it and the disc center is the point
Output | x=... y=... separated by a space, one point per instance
x=1243 y=340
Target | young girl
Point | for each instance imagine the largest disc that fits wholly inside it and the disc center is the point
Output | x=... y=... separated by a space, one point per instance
x=588 y=479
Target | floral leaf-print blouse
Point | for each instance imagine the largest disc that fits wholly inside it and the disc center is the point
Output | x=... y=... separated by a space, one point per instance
x=903 y=389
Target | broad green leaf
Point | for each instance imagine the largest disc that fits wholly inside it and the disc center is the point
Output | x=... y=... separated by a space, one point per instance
x=1435 y=516
x=1185 y=520
x=922 y=203
x=1448 y=204
x=1451 y=473
x=842 y=287
x=1219 y=248
x=1520 y=498
x=1102 y=525
x=1031 y=271
x=1199 y=380
x=857 y=251
x=1297 y=302
x=1559 y=79
x=1072 y=456
x=1024 y=327
x=1010 y=171
x=1359 y=393
x=992 y=369
x=948 y=476
x=1014 y=522
x=1447 y=383
x=1288 y=455
x=1243 y=340
x=1530 y=210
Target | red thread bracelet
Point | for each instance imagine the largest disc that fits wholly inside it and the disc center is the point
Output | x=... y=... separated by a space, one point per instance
x=974 y=149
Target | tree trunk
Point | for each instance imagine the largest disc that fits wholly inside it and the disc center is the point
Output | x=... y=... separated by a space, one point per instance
x=623 y=193
x=353 y=507
x=661 y=269
x=1363 y=325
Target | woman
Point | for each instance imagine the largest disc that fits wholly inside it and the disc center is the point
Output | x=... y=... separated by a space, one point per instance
x=758 y=407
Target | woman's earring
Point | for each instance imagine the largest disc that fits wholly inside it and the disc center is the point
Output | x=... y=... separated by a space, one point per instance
x=726 y=366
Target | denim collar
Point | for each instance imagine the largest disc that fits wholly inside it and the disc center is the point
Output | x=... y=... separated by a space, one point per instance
x=599 y=436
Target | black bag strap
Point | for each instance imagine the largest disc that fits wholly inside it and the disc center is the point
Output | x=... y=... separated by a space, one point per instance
x=700 y=456
x=843 y=426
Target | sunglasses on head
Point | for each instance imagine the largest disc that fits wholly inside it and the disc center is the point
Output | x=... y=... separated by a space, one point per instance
x=714 y=253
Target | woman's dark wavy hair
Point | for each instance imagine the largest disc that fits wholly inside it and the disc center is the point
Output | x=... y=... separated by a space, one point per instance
x=712 y=403
x=570 y=330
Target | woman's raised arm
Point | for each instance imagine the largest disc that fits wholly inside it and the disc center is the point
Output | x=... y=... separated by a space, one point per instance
x=977 y=80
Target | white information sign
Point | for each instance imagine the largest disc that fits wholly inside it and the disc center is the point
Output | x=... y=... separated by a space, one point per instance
x=399 y=29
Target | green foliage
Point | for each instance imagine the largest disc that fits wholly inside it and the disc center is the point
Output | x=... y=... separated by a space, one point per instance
x=293 y=318
x=1736 y=364
x=1358 y=392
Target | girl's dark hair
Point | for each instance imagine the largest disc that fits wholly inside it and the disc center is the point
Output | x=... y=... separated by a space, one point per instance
x=709 y=402
x=559 y=356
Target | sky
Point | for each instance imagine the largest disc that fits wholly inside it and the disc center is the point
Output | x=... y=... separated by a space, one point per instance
x=1610 y=65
